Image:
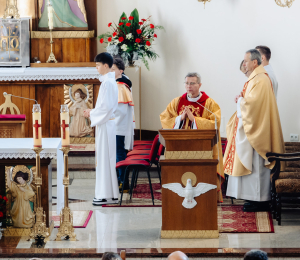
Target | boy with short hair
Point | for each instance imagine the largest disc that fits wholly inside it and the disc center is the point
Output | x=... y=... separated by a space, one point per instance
x=103 y=117
x=124 y=119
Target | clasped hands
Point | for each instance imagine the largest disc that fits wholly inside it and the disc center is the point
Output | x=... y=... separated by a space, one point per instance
x=187 y=113
x=86 y=113
x=238 y=96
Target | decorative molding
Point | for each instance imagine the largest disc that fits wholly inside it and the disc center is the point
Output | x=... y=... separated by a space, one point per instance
x=175 y=155
x=286 y=3
x=82 y=140
x=189 y=175
x=62 y=34
x=189 y=233
x=17 y=232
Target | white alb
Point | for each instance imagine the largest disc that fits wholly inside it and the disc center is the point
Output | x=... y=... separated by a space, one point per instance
x=189 y=192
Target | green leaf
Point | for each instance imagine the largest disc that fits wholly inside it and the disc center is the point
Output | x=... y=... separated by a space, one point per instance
x=135 y=14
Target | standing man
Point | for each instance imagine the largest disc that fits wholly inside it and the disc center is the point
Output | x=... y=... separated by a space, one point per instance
x=103 y=117
x=252 y=131
x=124 y=119
x=265 y=53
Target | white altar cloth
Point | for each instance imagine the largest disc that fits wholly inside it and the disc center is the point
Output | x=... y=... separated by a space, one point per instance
x=29 y=74
x=16 y=148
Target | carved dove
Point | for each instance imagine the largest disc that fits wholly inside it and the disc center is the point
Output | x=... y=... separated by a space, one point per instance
x=189 y=192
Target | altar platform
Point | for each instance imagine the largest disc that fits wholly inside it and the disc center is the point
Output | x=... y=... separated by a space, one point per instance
x=137 y=229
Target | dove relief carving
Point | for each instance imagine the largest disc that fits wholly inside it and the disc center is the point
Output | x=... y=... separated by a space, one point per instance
x=189 y=192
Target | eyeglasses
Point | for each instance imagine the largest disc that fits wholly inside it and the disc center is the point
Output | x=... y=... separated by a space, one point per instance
x=191 y=84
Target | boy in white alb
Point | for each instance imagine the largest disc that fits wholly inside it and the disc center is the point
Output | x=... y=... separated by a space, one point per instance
x=103 y=118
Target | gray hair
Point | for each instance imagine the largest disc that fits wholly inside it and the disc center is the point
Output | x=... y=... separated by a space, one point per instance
x=256 y=255
x=194 y=74
x=255 y=55
x=111 y=256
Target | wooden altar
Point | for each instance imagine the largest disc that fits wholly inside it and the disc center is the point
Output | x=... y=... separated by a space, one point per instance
x=189 y=153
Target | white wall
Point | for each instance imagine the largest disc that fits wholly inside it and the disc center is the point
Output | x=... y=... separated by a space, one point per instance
x=212 y=41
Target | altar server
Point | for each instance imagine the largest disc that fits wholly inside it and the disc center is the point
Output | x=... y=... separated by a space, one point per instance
x=265 y=53
x=252 y=131
x=103 y=118
x=185 y=112
x=124 y=119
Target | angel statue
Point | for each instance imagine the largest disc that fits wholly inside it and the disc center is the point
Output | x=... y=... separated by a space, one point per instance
x=21 y=211
x=79 y=126
x=69 y=14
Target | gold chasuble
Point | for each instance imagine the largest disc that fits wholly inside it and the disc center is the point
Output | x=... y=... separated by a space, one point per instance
x=260 y=120
x=203 y=119
x=124 y=94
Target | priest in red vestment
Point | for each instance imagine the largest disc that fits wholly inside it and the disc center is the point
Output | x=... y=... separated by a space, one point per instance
x=185 y=112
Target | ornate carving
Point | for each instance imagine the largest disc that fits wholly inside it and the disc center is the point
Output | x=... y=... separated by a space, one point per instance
x=286 y=3
x=82 y=140
x=66 y=181
x=189 y=233
x=6 y=133
x=11 y=9
x=62 y=34
x=39 y=229
x=66 y=225
x=9 y=104
x=175 y=155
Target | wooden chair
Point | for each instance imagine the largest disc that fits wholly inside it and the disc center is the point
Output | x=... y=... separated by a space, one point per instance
x=284 y=183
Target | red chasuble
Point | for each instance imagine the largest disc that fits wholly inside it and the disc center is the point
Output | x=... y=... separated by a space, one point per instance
x=196 y=109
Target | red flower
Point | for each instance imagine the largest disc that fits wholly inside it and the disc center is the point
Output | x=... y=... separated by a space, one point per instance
x=121 y=24
x=155 y=35
x=144 y=20
x=128 y=24
x=1 y=214
x=152 y=26
x=140 y=23
x=101 y=40
x=109 y=25
x=114 y=34
x=130 y=18
x=109 y=39
x=123 y=18
x=138 y=40
x=139 y=31
x=148 y=43
x=5 y=198
x=121 y=39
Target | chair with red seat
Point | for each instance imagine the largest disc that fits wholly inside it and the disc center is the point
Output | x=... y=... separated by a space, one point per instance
x=136 y=165
x=142 y=142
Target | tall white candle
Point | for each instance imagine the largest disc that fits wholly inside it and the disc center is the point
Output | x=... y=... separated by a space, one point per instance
x=64 y=125
x=37 y=125
x=50 y=17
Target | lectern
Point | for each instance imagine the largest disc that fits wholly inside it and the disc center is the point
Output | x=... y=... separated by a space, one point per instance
x=189 y=155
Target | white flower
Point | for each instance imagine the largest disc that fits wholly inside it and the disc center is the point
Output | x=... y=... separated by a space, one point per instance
x=129 y=36
x=124 y=47
x=116 y=41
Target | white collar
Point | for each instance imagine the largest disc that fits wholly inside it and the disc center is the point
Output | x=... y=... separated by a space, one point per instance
x=194 y=99
x=107 y=76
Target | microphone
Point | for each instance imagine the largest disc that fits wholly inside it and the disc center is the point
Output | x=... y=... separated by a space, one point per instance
x=5 y=94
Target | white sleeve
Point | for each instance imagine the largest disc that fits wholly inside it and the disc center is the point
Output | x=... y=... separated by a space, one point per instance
x=238 y=108
x=194 y=125
x=104 y=111
x=178 y=124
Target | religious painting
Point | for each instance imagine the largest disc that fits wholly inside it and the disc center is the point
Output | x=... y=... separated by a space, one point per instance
x=79 y=97
x=68 y=15
x=21 y=204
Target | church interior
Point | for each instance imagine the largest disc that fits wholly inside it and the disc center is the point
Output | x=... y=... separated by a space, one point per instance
x=52 y=151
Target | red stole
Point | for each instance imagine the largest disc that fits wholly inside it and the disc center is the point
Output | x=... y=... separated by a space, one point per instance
x=196 y=109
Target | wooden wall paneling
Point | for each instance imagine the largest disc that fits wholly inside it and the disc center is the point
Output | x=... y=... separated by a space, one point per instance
x=26 y=107
x=57 y=49
x=2 y=99
x=35 y=20
x=56 y=99
x=42 y=46
x=91 y=11
x=43 y=98
x=29 y=116
x=34 y=49
x=17 y=91
x=80 y=50
x=96 y=91
x=67 y=45
x=88 y=49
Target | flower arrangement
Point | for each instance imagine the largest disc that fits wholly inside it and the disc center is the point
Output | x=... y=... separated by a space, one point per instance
x=3 y=201
x=132 y=39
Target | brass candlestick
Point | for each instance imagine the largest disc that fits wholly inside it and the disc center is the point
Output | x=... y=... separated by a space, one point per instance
x=66 y=228
x=39 y=231
x=51 y=56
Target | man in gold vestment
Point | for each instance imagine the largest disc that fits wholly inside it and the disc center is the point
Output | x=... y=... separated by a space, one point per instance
x=185 y=112
x=252 y=131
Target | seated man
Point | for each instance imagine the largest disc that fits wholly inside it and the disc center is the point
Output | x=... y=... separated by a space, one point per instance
x=185 y=112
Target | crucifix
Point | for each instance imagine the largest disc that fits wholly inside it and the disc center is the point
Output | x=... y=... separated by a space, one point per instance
x=64 y=126
x=37 y=126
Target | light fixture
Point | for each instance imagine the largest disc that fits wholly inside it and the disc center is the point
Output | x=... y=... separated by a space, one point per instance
x=284 y=3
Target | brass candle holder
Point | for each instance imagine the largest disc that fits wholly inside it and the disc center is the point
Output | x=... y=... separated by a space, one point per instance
x=66 y=228
x=39 y=231
x=51 y=56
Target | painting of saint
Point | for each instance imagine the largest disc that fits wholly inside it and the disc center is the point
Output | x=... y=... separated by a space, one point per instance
x=79 y=126
x=68 y=14
x=21 y=211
